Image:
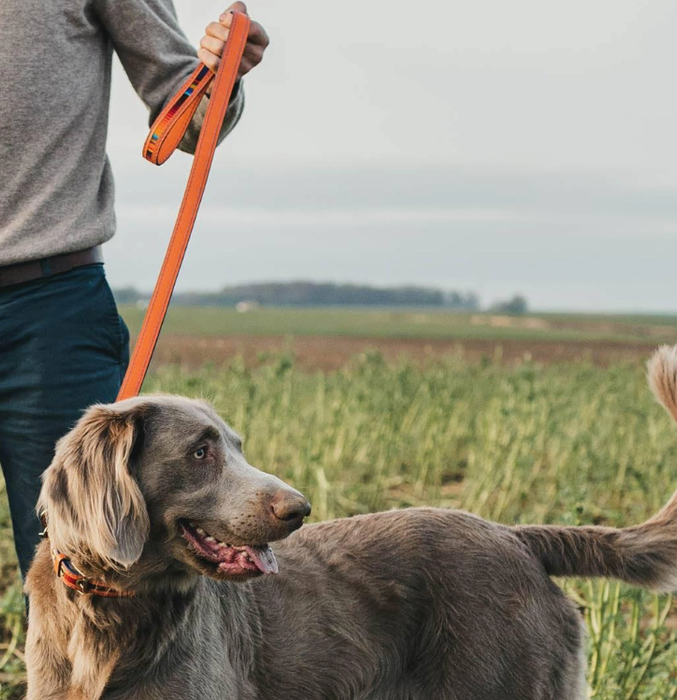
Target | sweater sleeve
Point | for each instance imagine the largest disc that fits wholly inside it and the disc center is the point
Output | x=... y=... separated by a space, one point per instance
x=157 y=58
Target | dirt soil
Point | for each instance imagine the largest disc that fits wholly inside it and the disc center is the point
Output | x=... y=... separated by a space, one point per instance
x=328 y=353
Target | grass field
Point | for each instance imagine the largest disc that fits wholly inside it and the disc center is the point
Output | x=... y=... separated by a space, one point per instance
x=422 y=323
x=324 y=339
x=566 y=443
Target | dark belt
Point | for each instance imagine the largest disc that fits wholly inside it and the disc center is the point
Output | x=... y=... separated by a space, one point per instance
x=46 y=267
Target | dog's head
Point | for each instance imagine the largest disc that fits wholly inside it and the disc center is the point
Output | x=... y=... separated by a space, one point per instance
x=163 y=480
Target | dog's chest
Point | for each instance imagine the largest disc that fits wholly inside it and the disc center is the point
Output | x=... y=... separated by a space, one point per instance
x=188 y=668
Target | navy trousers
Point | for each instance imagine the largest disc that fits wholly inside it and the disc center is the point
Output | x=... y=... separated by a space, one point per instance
x=63 y=347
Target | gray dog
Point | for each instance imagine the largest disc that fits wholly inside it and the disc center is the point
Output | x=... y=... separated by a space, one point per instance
x=164 y=589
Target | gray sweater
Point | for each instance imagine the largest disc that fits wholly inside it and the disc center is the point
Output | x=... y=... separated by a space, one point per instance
x=56 y=186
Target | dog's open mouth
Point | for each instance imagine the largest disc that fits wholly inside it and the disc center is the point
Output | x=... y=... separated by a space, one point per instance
x=231 y=560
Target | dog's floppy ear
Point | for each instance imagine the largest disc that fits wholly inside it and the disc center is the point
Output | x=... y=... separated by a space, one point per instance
x=93 y=503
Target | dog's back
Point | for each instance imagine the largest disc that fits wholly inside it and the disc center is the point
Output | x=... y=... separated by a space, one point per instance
x=418 y=604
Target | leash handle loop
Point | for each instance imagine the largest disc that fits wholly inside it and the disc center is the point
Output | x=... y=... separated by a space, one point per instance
x=164 y=137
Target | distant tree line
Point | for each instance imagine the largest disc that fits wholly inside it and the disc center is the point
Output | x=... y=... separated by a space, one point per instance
x=314 y=294
x=326 y=294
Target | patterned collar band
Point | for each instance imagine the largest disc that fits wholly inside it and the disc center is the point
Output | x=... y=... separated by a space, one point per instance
x=73 y=578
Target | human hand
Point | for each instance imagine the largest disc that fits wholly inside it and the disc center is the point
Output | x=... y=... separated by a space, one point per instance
x=214 y=41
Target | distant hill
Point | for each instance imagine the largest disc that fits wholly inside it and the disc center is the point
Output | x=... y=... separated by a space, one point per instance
x=304 y=293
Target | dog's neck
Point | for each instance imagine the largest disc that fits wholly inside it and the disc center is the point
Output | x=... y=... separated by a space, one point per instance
x=87 y=575
x=88 y=636
x=89 y=643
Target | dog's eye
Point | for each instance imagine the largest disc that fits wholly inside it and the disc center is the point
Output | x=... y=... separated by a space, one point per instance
x=201 y=453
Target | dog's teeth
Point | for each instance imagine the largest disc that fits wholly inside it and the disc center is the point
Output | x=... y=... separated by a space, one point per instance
x=210 y=539
x=201 y=531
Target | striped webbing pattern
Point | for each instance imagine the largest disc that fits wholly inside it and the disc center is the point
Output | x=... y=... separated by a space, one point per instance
x=186 y=99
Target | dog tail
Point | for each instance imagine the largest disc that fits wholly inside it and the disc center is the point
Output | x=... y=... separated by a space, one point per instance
x=643 y=555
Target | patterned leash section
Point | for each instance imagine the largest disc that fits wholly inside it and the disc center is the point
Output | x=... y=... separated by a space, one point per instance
x=167 y=131
x=164 y=137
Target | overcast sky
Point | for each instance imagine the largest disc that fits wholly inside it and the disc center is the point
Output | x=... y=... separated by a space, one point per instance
x=525 y=146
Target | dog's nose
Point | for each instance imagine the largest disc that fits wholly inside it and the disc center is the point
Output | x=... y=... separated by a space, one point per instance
x=289 y=506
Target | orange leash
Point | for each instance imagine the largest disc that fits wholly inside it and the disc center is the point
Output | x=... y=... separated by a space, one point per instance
x=163 y=139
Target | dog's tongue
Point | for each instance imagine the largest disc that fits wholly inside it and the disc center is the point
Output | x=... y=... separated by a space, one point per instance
x=264 y=559
x=232 y=559
x=237 y=559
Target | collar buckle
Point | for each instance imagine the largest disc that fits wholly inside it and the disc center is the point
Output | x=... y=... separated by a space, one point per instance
x=84 y=586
